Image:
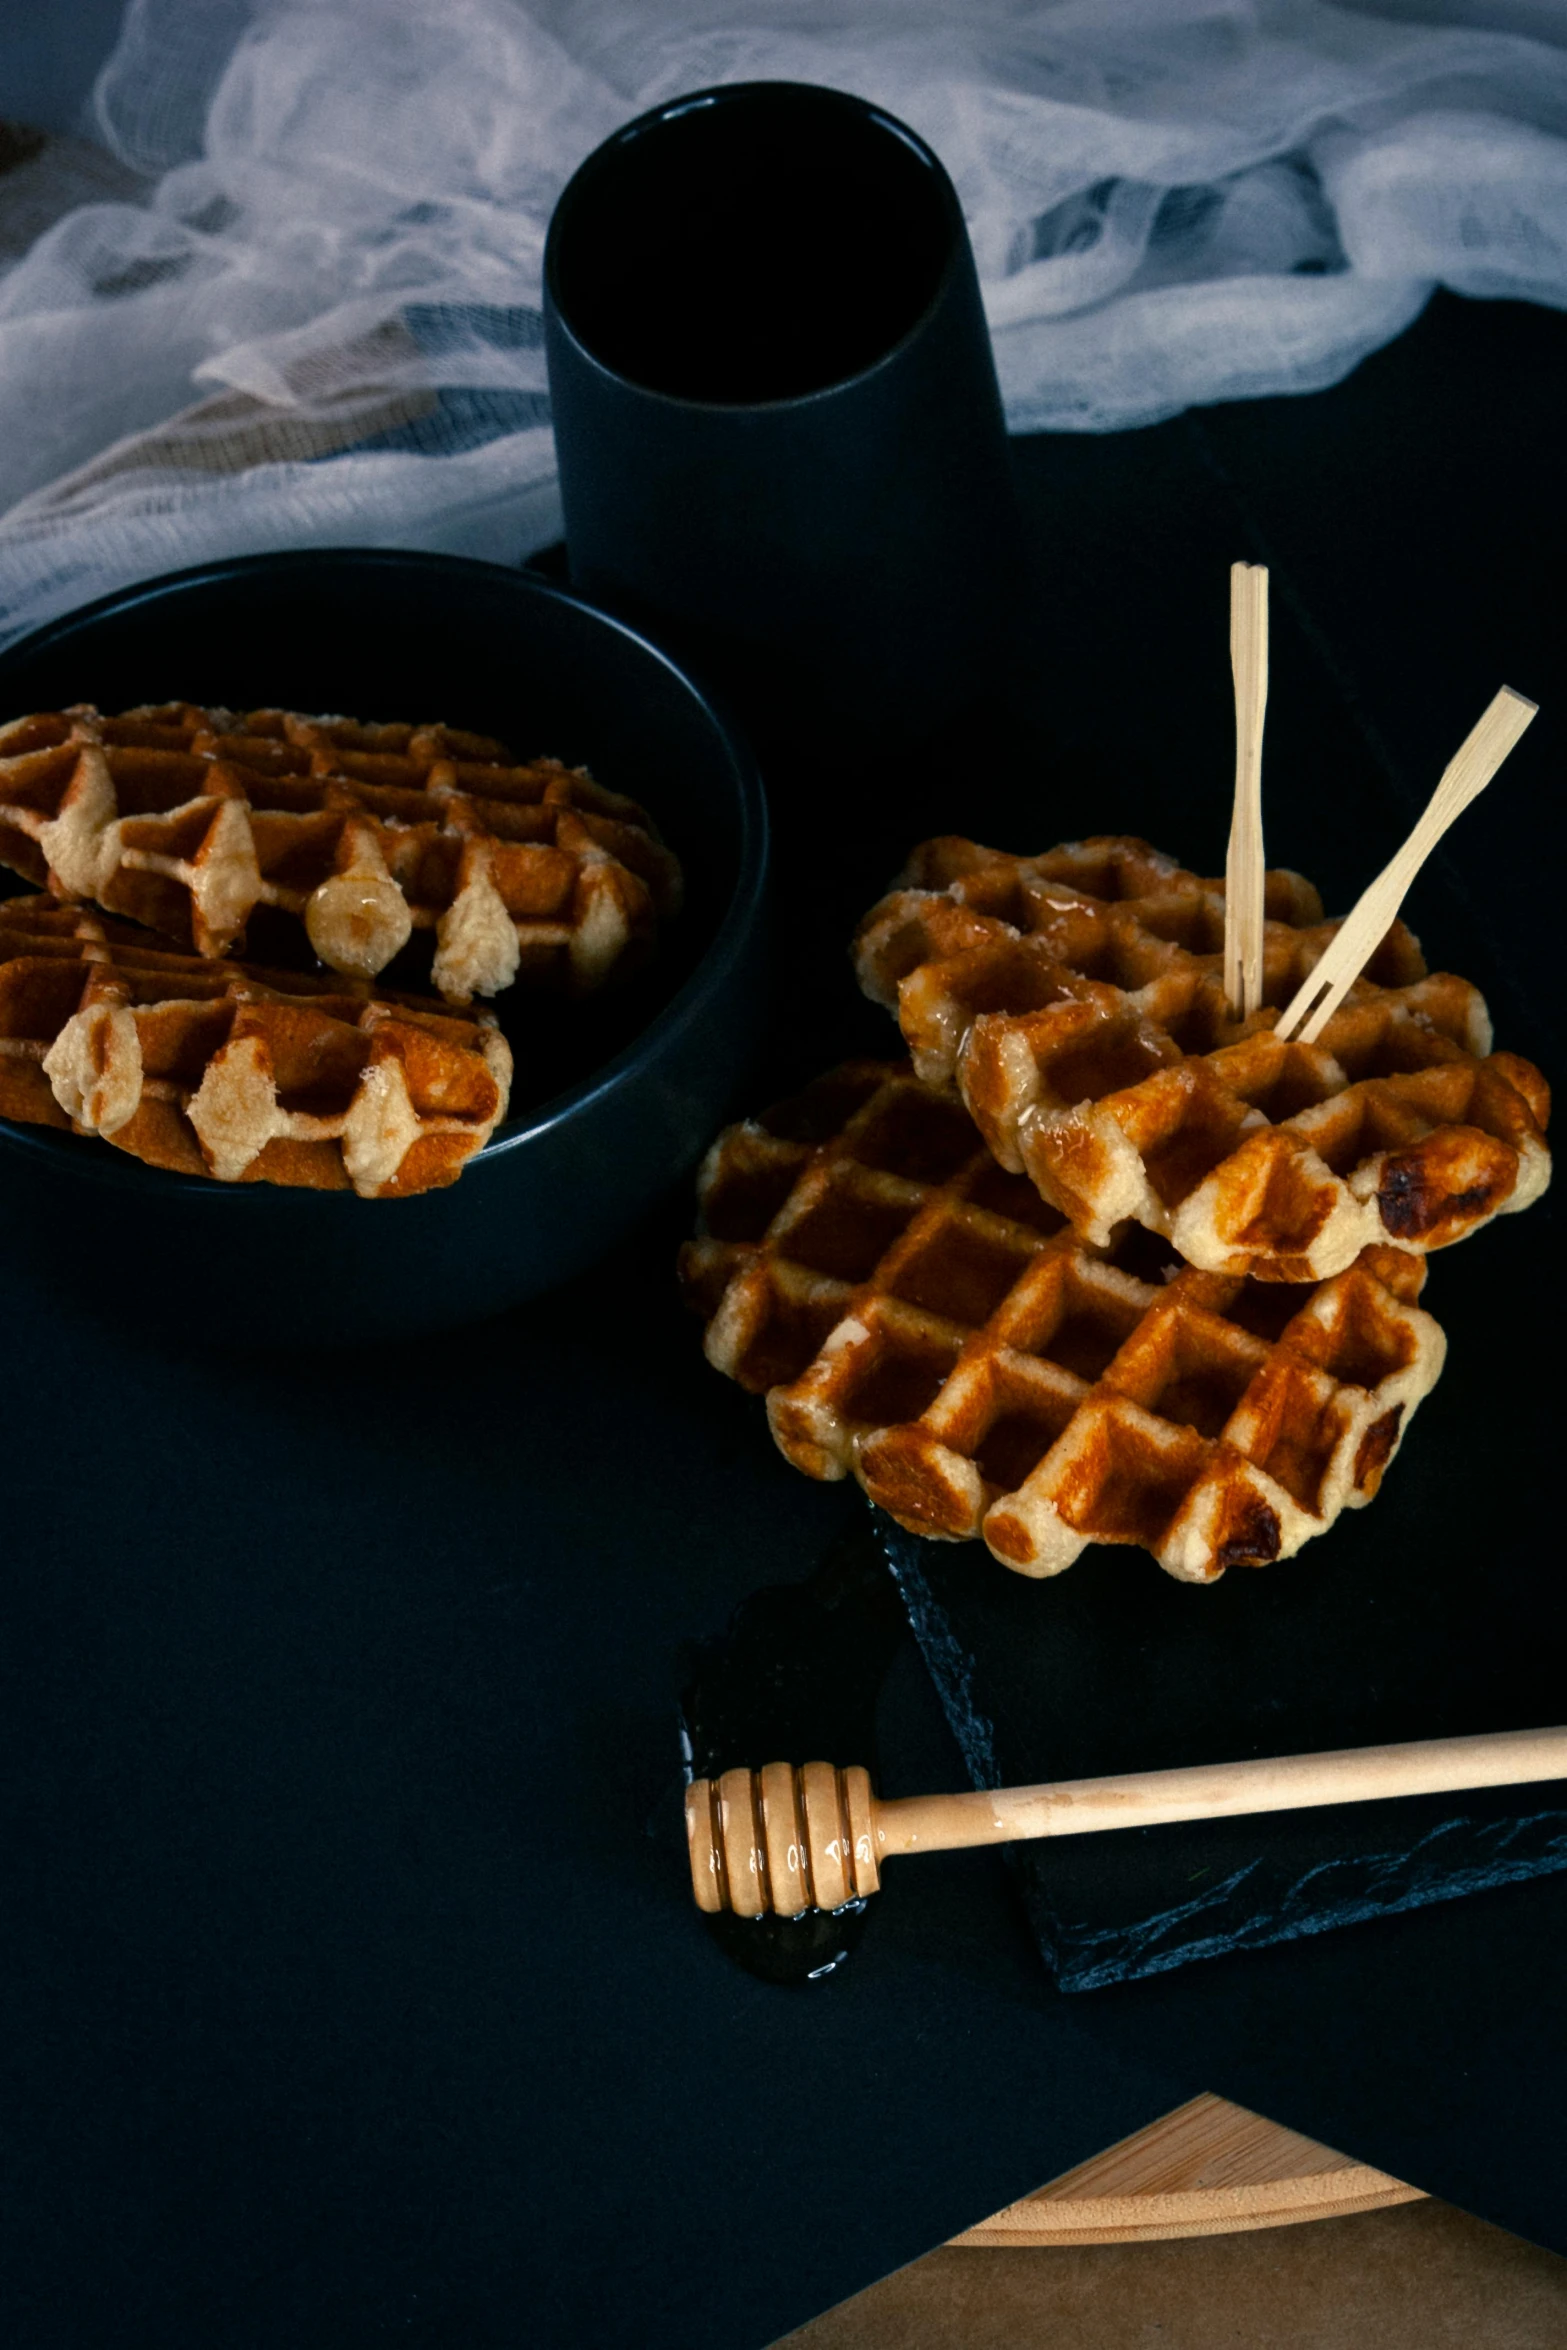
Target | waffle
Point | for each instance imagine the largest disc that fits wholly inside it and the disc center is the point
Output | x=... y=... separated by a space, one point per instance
x=189 y=819
x=920 y=1319
x=1078 y=999
x=216 y=1068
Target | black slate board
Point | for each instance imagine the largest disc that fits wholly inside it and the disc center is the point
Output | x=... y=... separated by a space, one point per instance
x=1436 y=1612
x=1439 y=1610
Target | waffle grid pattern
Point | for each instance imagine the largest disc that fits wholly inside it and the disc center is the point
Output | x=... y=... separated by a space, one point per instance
x=918 y=1318
x=188 y=820
x=217 y=1068
x=1078 y=999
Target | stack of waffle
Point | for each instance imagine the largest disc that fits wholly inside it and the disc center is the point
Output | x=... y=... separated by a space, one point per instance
x=163 y=1040
x=1107 y=1264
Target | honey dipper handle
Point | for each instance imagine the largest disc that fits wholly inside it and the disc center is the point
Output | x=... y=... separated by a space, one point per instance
x=1143 y=1799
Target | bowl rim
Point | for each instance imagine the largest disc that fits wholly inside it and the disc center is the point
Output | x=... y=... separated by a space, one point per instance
x=713 y=969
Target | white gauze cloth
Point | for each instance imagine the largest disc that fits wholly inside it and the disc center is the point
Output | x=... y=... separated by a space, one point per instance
x=317 y=320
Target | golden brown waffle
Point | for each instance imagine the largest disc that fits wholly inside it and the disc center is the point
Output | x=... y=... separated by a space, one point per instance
x=189 y=819
x=921 y=1320
x=1078 y=998
x=215 y=1068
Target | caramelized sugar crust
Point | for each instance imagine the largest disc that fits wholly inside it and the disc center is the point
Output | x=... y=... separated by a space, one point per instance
x=218 y=1068
x=187 y=819
x=920 y=1319
x=1078 y=999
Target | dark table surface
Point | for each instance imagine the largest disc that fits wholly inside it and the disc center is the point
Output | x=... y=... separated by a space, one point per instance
x=351 y=1987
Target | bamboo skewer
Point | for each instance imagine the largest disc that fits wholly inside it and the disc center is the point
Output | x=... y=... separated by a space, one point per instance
x=1464 y=779
x=1243 y=872
x=781 y=1840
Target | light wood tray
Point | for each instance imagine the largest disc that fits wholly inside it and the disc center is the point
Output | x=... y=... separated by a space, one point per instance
x=1208 y=2169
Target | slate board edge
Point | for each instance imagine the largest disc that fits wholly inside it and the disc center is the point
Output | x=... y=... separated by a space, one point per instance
x=1086 y=1958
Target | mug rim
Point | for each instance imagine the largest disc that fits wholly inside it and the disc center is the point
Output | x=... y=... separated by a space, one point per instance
x=725 y=93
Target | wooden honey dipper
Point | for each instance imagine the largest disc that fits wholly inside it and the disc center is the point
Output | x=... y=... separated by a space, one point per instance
x=782 y=1840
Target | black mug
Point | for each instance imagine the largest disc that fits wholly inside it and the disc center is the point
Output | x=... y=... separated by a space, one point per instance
x=780 y=437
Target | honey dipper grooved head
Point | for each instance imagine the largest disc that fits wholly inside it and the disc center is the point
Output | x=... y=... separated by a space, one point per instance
x=779 y=1840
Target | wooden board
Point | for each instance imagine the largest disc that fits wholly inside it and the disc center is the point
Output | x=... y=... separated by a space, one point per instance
x=1208 y=2169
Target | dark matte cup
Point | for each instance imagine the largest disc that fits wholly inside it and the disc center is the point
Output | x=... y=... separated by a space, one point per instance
x=781 y=442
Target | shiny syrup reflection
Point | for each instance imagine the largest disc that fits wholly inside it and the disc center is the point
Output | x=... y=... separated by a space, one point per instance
x=797 y=1672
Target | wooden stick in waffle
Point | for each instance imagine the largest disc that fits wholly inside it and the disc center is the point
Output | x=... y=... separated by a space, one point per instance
x=1465 y=777
x=1078 y=997
x=216 y=1068
x=1245 y=878
x=189 y=819
x=919 y=1319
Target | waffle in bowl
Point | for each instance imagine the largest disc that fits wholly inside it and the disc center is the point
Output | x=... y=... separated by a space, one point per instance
x=188 y=819
x=1078 y=999
x=216 y=1068
x=919 y=1318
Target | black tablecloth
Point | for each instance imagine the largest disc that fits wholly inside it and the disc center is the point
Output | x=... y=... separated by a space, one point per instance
x=351 y=1986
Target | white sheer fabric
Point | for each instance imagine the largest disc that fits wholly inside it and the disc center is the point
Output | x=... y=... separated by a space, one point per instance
x=321 y=322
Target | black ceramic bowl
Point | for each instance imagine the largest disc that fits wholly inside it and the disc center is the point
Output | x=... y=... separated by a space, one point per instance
x=613 y=1100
